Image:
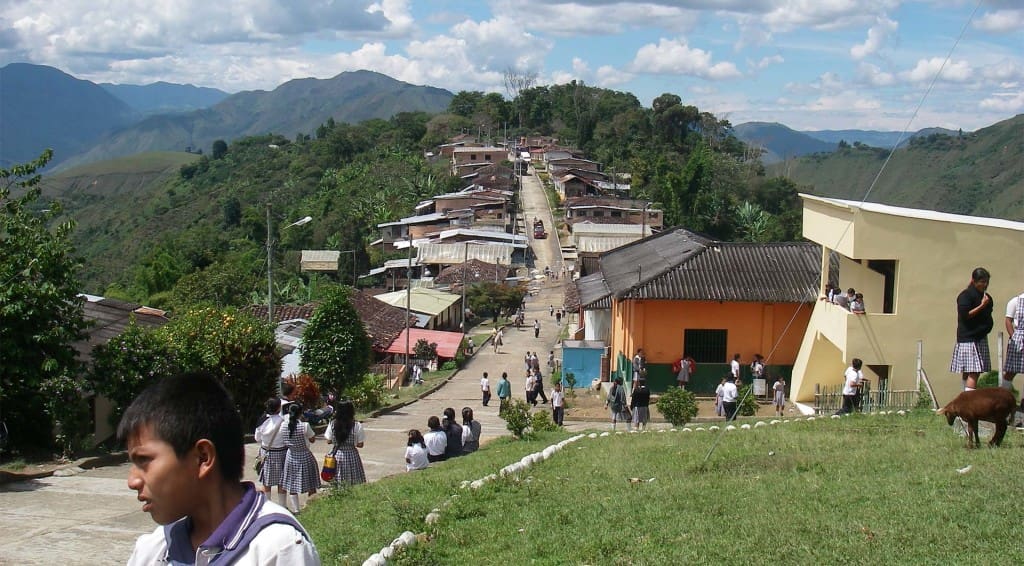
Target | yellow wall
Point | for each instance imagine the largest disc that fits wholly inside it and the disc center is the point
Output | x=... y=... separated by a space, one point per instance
x=753 y=328
x=935 y=257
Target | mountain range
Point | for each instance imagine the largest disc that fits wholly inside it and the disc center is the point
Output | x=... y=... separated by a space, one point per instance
x=779 y=142
x=84 y=122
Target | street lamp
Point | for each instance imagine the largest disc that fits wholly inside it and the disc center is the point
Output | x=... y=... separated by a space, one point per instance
x=270 y=274
x=408 y=302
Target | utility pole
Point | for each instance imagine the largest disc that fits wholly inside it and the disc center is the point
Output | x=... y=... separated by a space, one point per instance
x=270 y=275
x=408 y=302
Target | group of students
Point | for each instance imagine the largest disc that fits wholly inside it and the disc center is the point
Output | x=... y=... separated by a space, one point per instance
x=635 y=413
x=534 y=387
x=445 y=439
x=851 y=300
x=289 y=464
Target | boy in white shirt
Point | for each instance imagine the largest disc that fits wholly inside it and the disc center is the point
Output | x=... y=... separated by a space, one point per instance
x=184 y=440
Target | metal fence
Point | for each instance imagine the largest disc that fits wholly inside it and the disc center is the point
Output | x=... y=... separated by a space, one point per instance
x=829 y=399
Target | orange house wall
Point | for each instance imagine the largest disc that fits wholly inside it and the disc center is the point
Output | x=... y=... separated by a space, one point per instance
x=753 y=328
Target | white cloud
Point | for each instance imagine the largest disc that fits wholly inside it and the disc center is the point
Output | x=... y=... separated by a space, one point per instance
x=925 y=70
x=767 y=61
x=829 y=82
x=1009 y=102
x=878 y=36
x=844 y=101
x=787 y=15
x=874 y=76
x=575 y=18
x=1001 y=21
x=675 y=57
x=1004 y=71
x=610 y=77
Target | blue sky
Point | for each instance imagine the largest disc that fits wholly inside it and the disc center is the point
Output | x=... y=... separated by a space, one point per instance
x=810 y=64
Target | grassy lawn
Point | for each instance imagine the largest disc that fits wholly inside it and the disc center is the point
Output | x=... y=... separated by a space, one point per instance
x=859 y=490
x=409 y=392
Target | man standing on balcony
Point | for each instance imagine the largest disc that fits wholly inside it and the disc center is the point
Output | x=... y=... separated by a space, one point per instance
x=973 y=323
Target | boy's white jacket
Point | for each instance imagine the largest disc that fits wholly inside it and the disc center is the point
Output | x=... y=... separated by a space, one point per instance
x=276 y=544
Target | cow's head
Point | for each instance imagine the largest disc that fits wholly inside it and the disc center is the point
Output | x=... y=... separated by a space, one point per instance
x=950 y=415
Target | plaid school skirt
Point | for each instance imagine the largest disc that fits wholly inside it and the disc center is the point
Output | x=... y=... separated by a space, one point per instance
x=971 y=357
x=273 y=467
x=1014 y=361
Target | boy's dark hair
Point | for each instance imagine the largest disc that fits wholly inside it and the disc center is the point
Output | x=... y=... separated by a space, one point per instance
x=287 y=389
x=185 y=408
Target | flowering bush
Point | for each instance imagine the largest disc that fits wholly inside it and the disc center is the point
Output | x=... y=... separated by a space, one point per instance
x=236 y=347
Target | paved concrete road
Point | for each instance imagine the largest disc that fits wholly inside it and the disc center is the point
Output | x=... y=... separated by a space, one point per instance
x=92 y=518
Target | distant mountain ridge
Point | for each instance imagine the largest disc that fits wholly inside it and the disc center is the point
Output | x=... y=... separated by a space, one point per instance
x=779 y=142
x=979 y=173
x=296 y=107
x=43 y=107
x=873 y=138
x=161 y=97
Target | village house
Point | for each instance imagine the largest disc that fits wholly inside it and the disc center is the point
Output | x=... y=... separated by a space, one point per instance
x=107 y=319
x=433 y=309
x=678 y=292
x=611 y=211
x=910 y=265
x=468 y=159
x=422 y=225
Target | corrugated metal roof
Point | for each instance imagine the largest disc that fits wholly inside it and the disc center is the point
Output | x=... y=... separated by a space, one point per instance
x=449 y=254
x=421 y=299
x=447 y=342
x=598 y=244
x=735 y=271
x=626 y=267
x=593 y=291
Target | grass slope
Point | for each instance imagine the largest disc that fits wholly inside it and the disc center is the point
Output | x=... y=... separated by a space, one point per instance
x=981 y=174
x=860 y=490
x=107 y=200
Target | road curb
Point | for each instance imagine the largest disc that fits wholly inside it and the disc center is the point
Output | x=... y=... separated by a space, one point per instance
x=72 y=468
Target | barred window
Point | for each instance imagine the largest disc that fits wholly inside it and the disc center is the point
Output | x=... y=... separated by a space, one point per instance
x=707 y=346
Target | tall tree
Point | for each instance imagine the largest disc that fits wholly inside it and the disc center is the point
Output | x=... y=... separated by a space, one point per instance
x=335 y=347
x=40 y=311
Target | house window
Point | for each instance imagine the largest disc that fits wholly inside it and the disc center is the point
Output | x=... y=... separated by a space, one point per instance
x=616 y=214
x=886 y=267
x=472 y=157
x=598 y=213
x=706 y=346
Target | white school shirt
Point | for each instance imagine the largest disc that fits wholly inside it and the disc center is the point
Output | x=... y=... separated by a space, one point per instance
x=734 y=366
x=485 y=384
x=265 y=435
x=417 y=458
x=1011 y=310
x=557 y=398
x=436 y=441
x=729 y=392
x=852 y=378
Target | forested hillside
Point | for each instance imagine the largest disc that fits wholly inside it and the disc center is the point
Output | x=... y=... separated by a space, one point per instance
x=981 y=173
x=296 y=107
x=176 y=233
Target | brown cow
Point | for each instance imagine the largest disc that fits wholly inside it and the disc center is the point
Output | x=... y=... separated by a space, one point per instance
x=992 y=404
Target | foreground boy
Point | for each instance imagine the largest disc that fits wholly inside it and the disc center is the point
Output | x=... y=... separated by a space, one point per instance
x=184 y=440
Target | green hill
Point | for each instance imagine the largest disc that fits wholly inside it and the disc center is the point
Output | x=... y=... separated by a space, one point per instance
x=981 y=173
x=296 y=107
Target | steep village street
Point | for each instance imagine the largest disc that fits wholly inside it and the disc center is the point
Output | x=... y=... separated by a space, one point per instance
x=92 y=517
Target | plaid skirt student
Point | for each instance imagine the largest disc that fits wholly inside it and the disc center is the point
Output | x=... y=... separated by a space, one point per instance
x=301 y=471
x=347 y=435
x=270 y=436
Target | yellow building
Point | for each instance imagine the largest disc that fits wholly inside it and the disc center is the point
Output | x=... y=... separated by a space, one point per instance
x=910 y=265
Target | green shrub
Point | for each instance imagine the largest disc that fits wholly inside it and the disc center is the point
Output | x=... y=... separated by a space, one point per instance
x=924 y=400
x=449 y=365
x=991 y=379
x=368 y=394
x=570 y=380
x=678 y=406
x=540 y=421
x=748 y=403
x=516 y=415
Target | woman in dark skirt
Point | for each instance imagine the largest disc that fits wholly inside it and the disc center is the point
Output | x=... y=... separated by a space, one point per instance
x=973 y=323
x=347 y=435
x=301 y=472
